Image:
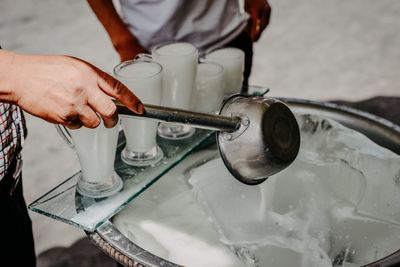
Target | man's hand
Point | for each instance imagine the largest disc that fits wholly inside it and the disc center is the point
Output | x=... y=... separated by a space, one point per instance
x=127 y=46
x=63 y=90
x=260 y=12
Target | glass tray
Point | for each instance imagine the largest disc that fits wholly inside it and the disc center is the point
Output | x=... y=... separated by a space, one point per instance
x=63 y=203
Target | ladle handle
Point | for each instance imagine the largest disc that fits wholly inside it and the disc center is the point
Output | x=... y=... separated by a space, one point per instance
x=195 y=119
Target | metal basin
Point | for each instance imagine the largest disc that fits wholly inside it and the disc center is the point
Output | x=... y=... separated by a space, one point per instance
x=109 y=239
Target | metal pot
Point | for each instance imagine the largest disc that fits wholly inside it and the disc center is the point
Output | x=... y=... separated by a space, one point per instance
x=113 y=243
x=256 y=136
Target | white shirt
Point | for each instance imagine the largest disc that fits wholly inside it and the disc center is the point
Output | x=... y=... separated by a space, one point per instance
x=207 y=24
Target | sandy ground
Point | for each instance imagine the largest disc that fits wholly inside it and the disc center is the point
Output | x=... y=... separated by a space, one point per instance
x=312 y=49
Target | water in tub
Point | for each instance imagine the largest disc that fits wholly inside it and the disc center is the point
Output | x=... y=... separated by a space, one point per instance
x=338 y=204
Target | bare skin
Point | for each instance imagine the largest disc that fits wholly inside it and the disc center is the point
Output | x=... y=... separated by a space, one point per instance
x=260 y=12
x=63 y=90
x=124 y=42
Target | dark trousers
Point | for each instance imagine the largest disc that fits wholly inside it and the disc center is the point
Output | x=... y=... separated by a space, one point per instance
x=16 y=238
x=244 y=43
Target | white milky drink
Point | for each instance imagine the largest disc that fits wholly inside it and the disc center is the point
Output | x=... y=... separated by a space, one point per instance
x=140 y=134
x=209 y=92
x=144 y=78
x=96 y=151
x=179 y=61
x=232 y=59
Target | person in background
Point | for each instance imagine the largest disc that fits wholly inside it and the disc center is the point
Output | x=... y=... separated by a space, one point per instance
x=207 y=24
x=58 y=89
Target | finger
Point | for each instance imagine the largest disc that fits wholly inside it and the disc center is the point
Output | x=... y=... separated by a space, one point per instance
x=261 y=24
x=102 y=104
x=87 y=116
x=258 y=30
x=256 y=24
x=73 y=126
x=251 y=28
x=265 y=16
x=119 y=91
x=72 y=122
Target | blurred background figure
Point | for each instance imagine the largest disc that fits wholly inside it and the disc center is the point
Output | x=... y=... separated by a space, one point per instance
x=207 y=25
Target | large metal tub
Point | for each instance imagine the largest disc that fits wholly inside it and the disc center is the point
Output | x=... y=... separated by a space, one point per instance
x=116 y=245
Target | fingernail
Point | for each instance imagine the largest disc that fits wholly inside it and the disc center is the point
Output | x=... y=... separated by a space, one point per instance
x=140 y=108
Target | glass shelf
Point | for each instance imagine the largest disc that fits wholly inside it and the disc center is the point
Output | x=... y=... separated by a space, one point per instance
x=65 y=204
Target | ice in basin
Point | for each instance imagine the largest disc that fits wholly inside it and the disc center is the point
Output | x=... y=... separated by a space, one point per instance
x=338 y=204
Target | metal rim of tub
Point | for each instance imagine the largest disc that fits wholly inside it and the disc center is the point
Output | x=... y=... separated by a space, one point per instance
x=113 y=243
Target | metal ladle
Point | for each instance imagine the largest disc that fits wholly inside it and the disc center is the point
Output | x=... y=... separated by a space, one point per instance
x=257 y=136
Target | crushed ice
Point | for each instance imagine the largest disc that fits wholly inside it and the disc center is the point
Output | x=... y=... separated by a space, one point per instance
x=338 y=204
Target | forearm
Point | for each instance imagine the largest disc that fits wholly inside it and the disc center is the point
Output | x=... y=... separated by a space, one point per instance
x=7 y=76
x=112 y=22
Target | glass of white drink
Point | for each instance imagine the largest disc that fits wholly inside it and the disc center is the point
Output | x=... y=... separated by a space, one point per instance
x=209 y=92
x=232 y=59
x=179 y=61
x=144 y=78
x=96 y=153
